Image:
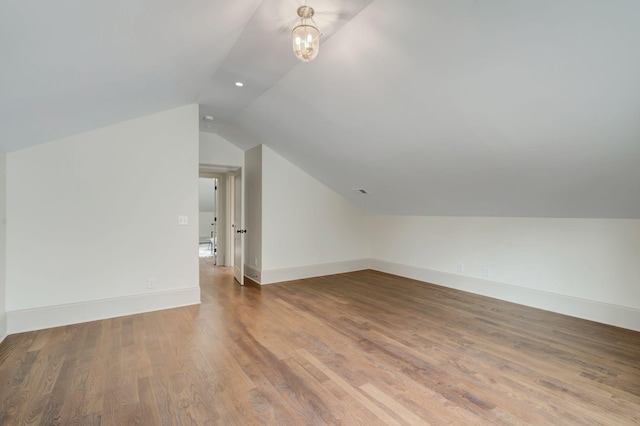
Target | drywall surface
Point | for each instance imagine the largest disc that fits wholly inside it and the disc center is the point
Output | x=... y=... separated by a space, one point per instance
x=303 y=221
x=207 y=195
x=593 y=260
x=217 y=151
x=107 y=204
x=205 y=227
x=253 y=212
x=3 y=243
x=207 y=207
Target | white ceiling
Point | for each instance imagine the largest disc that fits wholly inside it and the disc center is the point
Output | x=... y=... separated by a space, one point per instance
x=457 y=107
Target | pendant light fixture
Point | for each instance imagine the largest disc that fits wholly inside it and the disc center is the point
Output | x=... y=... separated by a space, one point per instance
x=306 y=37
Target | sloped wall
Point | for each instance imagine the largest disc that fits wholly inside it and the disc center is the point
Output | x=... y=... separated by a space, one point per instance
x=307 y=229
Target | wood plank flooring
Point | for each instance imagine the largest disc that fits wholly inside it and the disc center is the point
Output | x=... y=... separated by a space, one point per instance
x=362 y=348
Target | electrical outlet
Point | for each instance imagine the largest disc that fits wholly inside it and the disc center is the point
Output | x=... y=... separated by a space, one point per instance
x=151 y=282
x=183 y=220
x=460 y=267
x=486 y=272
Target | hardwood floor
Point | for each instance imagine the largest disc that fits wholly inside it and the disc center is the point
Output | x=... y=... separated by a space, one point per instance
x=362 y=348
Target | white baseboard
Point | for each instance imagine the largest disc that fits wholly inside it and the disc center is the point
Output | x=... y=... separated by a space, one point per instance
x=619 y=316
x=73 y=313
x=271 y=276
x=253 y=273
x=3 y=327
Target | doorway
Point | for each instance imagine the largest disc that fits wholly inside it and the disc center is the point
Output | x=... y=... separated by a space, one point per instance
x=227 y=247
x=208 y=218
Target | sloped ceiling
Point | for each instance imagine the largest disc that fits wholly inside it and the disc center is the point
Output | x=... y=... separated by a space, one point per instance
x=458 y=107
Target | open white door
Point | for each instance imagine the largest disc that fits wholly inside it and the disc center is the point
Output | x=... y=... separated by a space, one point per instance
x=238 y=227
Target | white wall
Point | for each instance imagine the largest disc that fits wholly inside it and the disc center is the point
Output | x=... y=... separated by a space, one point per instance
x=588 y=268
x=253 y=212
x=107 y=204
x=217 y=151
x=3 y=241
x=306 y=225
x=206 y=206
x=207 y=195
x=204 y=225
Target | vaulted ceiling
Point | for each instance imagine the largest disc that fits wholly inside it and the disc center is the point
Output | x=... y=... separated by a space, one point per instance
x=457 y=107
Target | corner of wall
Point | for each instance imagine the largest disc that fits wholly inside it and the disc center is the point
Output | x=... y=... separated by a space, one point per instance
x=253 y=273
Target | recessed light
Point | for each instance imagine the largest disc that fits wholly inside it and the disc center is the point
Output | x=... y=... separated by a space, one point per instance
x=239 y=83
x=208 y=118
x=360 y=190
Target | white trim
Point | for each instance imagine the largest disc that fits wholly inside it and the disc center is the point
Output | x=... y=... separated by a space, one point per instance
x=252 y=273
x=619 y=316
x=271 y=276
x=73 y=313
x=3 y=327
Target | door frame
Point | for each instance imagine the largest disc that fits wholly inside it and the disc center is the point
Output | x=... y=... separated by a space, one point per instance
x=223 y=174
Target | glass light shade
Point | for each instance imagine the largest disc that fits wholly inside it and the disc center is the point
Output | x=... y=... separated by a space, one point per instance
x=306 y=42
